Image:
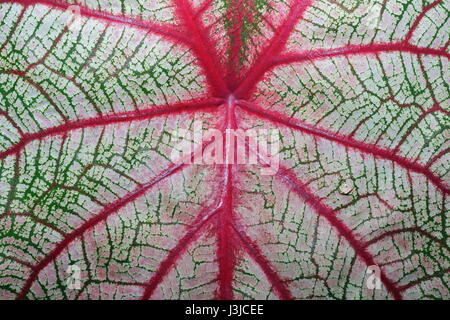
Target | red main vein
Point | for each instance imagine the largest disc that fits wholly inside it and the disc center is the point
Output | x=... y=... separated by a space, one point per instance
x=113 y=208
x=373 y=48
x=326 y=212
x=89 y=224
x=274 y=48
x=346 y=141
x=289 y=178
x=272 y=56
x=148 y=113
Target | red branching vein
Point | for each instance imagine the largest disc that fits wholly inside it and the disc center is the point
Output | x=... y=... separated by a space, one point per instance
x=346 y=141
x=205 y=5
x=167 y=31
x=225 y=252
x=360 y=248
x=49 y=50
x=103 y=120
x=225 y=246
x=34 y=218
x=437 y=157
x=11 y=120
x=271 y=57
x=256 y=254
x=39 y=88
x=19 y=261
x=203 y=48
x=274 y=48
x=408 y=230
x=13 y=30
x=423 y=279
x=422 y=14
x=356 y=50
x=227 y=223
x=89 y=224
x=166 y=265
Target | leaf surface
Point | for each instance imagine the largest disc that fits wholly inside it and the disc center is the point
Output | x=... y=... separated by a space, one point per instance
x=92 y=92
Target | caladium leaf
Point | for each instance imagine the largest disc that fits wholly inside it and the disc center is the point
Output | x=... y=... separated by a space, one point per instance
x=94 y=95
